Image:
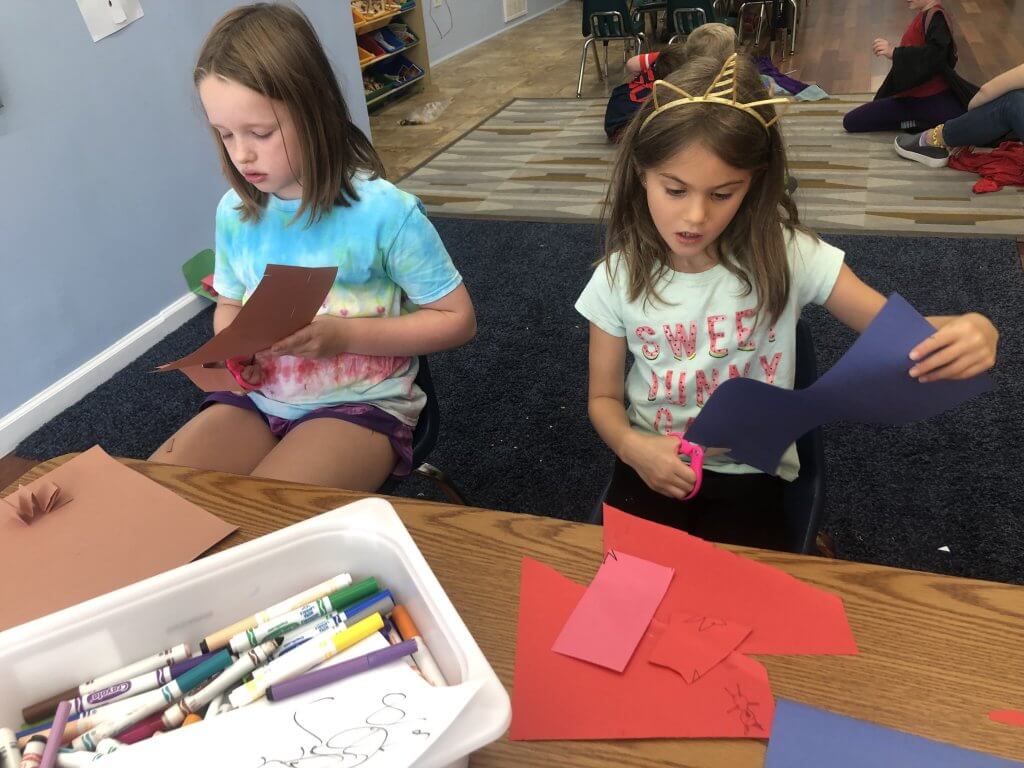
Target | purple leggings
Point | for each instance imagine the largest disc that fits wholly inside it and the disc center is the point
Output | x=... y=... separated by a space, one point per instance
x=903 y=114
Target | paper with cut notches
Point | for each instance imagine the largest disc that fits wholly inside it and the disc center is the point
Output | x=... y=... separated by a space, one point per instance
x=116 y=527
x=286 y=299
x=870 y=384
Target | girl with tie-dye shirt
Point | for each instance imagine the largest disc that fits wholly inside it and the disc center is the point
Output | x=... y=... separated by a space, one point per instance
x=336 y=402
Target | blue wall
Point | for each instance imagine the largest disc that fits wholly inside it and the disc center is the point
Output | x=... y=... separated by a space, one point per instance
x=464 y=23
x=108 y=177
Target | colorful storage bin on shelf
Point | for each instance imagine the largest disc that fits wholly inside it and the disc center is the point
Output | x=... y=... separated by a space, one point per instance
x=365 y=56
x=388 y=75
x=368 y=23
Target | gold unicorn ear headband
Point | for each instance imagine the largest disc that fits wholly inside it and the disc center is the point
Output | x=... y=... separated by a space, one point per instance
x=721 y=91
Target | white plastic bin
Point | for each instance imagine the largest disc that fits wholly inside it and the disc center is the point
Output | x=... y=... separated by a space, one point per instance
x=366 y=538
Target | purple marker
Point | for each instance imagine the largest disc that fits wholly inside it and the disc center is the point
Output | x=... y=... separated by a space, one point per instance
x=60 y=719
x=340 y=671
x=148 y=681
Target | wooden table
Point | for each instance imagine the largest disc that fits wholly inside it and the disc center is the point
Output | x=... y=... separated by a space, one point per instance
x=937 y=653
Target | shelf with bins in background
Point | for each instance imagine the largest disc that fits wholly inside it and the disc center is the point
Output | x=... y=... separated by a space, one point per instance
x=392 y=47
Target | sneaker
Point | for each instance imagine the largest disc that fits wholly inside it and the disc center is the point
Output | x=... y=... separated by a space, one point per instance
x=910 y=148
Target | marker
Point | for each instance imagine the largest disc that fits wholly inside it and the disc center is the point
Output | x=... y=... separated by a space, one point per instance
x=423 y=657
x=289 y=622
x=141 y=731
x=171 y=692
x=176 y=714
x=219 y=639
x=60 y=719
x=10 y=752
x=304 y=659
x=44 y=709
x=213 y=708
x=125 y=689
x=33 y=752
x=381 y=603
x=340 y=671
x=192 y=719
x=77 y=759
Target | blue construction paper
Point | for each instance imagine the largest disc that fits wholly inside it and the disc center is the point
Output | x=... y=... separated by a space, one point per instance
x=807 y=737
x=869 y=384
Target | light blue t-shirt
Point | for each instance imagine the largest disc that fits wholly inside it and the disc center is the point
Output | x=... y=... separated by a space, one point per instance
x=386 y=252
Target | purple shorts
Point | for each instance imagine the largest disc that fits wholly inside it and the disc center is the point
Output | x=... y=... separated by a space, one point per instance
x=368 y=416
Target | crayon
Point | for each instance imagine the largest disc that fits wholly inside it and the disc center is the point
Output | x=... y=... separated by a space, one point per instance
x=292 y=620
x=423 y=657
x=303 y=659
x=340 y=671
x=44 y=709
x=125 y=689
x=10 y=752
x=60 y=719
x=176 y=714
x=33 y=752
x=171 y=692
x=220 y=638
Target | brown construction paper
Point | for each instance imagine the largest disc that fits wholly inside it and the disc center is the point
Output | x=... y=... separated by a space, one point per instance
x=116 y=528
x=286 y=300
x=212 y=378
x=28 y=503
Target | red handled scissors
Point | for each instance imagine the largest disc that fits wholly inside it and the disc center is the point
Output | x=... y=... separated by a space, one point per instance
x=696 y=454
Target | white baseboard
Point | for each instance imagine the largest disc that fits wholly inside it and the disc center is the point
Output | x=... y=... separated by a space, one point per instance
x=32 y=414
x=505 y=28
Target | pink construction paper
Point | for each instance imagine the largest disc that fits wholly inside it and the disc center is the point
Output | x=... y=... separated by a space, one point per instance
x=614 y=612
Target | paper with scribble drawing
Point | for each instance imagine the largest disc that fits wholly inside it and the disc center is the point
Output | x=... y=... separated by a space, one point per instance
x=386 y=718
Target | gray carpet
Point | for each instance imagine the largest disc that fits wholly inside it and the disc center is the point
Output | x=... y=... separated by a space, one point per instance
x=515 y=433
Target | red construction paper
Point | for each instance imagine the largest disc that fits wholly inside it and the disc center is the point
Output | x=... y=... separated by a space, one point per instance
x=694 y=645
x=787 y=615
x=559 y=697
x=614 y=613
x=1007 y=717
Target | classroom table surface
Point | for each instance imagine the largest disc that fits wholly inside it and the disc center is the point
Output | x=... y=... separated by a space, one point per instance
x=937 y=653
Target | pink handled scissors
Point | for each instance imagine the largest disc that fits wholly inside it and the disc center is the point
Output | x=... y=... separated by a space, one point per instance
x=696 y=454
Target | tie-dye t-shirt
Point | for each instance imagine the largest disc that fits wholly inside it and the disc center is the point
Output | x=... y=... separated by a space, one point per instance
x=386 y=252
x=702 y=334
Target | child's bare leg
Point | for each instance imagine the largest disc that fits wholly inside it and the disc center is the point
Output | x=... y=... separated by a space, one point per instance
x=331 y=452
x=221 y=437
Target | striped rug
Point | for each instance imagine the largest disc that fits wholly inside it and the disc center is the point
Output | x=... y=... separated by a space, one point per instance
x=548 y=160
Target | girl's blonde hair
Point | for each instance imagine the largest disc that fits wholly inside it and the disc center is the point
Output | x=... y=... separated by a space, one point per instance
x=274 y=50
x=753 y=244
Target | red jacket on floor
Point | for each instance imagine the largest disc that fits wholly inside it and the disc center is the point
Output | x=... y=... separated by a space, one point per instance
x=998 y=168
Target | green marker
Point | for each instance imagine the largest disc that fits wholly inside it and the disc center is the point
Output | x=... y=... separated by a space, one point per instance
x=288 y=622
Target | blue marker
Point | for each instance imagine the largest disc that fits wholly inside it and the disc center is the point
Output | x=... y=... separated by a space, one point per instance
x=382 y=603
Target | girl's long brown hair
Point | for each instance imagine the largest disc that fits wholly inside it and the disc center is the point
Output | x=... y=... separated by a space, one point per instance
x=753 y=245
x=274 y=50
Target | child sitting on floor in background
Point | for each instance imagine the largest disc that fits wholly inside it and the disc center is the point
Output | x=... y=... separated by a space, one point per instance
x=715 y=40
x=995 y=114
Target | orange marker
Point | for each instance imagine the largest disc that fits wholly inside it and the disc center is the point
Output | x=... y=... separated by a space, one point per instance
x=423 y=658
x=191 y=720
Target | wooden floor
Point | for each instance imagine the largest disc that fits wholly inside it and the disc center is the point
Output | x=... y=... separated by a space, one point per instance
x=541 y=58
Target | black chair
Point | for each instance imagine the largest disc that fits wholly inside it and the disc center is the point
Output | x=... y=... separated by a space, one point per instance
x=804 y=499
x=604 y=21
x=424 y=437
